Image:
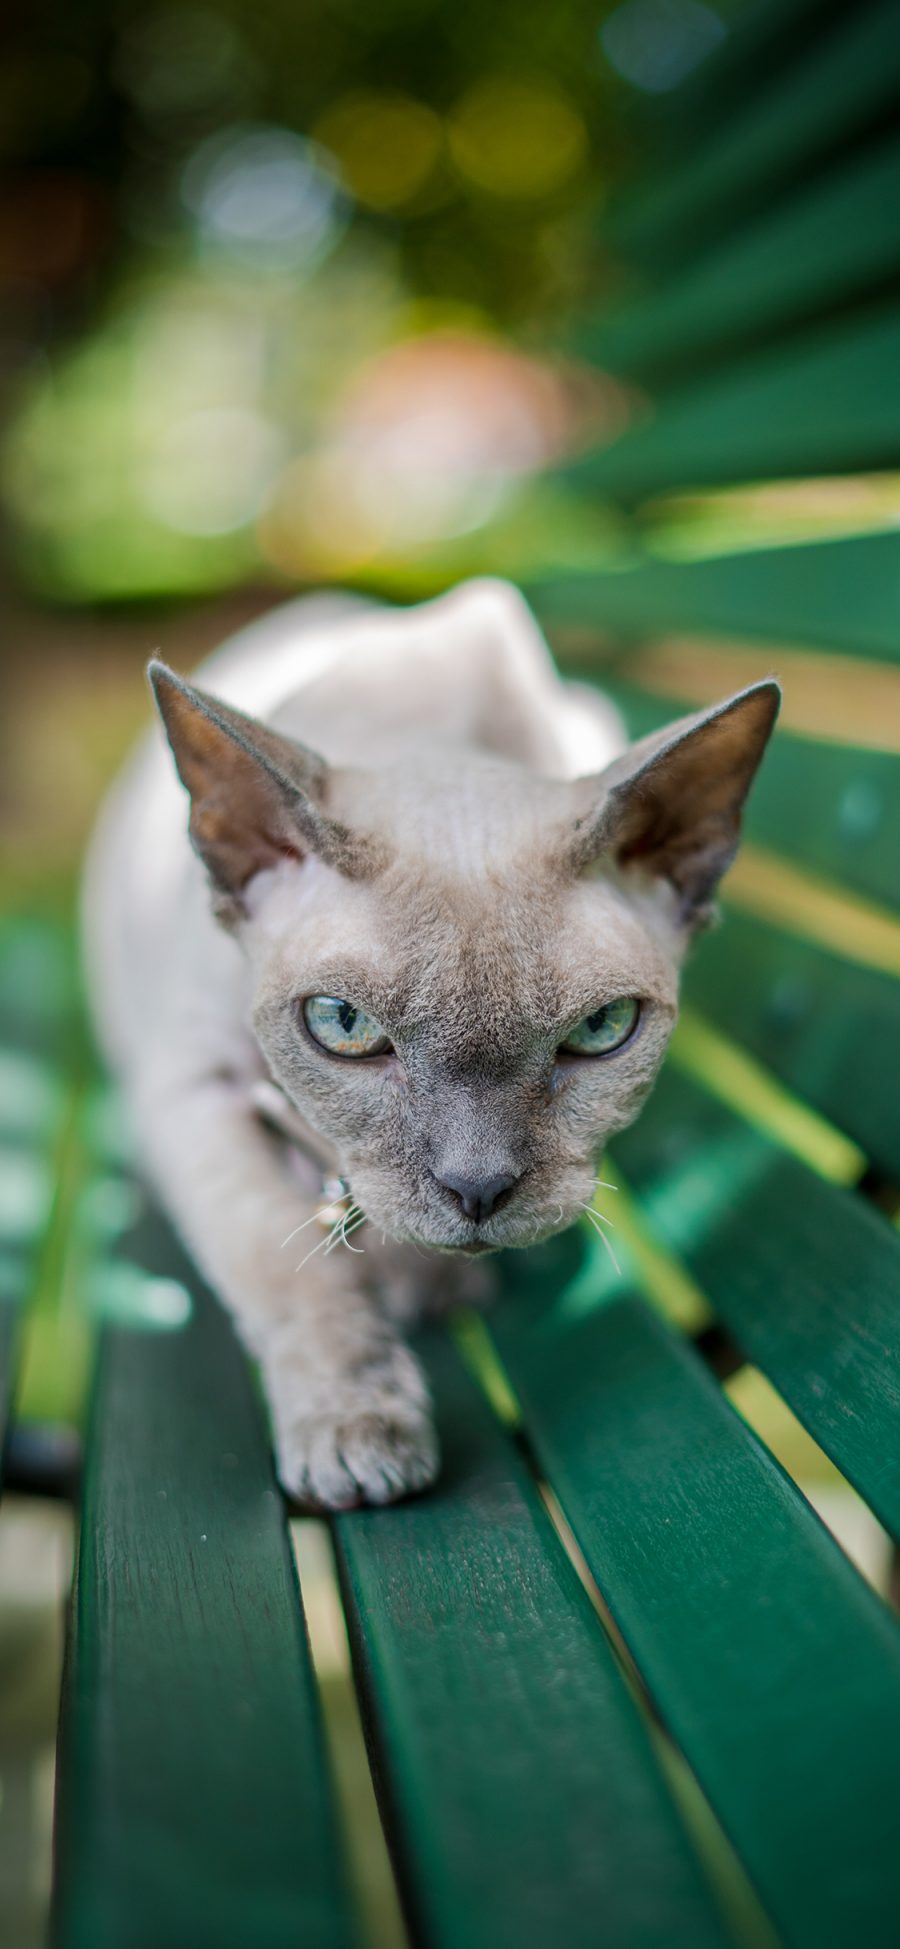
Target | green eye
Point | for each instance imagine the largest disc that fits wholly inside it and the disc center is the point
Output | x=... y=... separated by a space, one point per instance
x=342 y=1028
x=606 y=1029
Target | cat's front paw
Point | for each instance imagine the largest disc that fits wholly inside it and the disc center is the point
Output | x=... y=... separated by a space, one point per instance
x=338 y=1460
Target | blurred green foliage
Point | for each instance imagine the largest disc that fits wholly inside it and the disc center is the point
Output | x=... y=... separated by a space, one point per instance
x=219 y=226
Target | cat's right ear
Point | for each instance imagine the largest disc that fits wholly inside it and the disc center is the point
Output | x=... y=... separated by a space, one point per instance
x=256 y=797
x=670 y=806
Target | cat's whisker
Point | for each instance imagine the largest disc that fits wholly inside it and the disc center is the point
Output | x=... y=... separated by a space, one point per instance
x=326 y=1241
x=341 y=1220
x=592 y=1212
x=352 y=1217
x=604 y=1185
x=351 y=1223
x=299 y=1228
x=592 y=1217
x=311 y=1255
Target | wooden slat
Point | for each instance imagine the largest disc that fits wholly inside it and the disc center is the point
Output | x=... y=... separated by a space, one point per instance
x=776 y=1668
x=826 y=403
x=826 y=1027
x=832 y=241
x=834 y=809
x=523 y=1801
x=805 y=1276
x=834 y=595
x=193 y=1807
x=840 y=82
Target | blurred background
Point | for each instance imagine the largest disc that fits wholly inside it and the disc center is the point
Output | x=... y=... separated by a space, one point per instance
x=285 y=296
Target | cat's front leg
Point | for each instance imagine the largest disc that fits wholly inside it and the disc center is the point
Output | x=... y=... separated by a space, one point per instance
x=350 y=1407
x=349 y=1402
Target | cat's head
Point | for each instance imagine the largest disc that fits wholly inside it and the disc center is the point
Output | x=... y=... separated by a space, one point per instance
x=465 y=975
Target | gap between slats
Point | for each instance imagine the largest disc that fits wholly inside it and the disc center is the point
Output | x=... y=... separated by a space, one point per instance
x=842 y=1509
x=746 y=1915
x=856 y=1533
x=828 y=699
x=699 y=525
x=801 y=1235
x=366 y=1850
x=36 y=1548
x=676 y=1295
x=809 y=906
x=738 y=1079
x=673 y=1292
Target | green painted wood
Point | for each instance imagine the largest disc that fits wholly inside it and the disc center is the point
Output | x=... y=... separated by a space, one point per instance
x=36 y=998
x=830 y=595
x=27 y=1191
x=828 y=1028
x=840 y=82
x=831 y=242
x=522 y=1798
x=193 y=1806
x=805 y=1276
x=834 y=808
x=39 y=998
x=827 y=403
x=775 y=1667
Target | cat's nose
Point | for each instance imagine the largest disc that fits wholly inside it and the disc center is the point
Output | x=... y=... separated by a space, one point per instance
x=478 y=1196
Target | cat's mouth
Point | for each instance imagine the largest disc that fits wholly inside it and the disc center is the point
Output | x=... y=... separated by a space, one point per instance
x=512 y=1237
x=456 y=1248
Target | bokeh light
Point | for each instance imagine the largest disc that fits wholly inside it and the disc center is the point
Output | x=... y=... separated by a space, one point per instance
x=388 y=146
x=139 y=459
x=208 y=473
x=264 y=196
x=517 y=138
x=656 y=44
x=427 y=444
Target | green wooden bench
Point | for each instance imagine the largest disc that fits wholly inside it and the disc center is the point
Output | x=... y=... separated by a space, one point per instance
x=619 y=1683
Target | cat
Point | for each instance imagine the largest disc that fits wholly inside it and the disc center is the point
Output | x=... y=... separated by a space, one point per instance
x=439 y=968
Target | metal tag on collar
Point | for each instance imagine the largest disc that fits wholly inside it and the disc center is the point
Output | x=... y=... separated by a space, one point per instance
x=336 y=1192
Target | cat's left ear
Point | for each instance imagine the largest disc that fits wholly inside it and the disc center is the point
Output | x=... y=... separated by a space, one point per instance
x=671 y=804
x=256 y=797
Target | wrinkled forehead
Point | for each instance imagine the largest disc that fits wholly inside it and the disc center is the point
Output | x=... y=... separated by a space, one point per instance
x=462 y=815
x=468 y=963
x=521 y=950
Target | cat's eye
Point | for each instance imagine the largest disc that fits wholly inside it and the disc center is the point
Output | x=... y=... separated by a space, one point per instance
x=342 y=1028
x=606 y=1029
